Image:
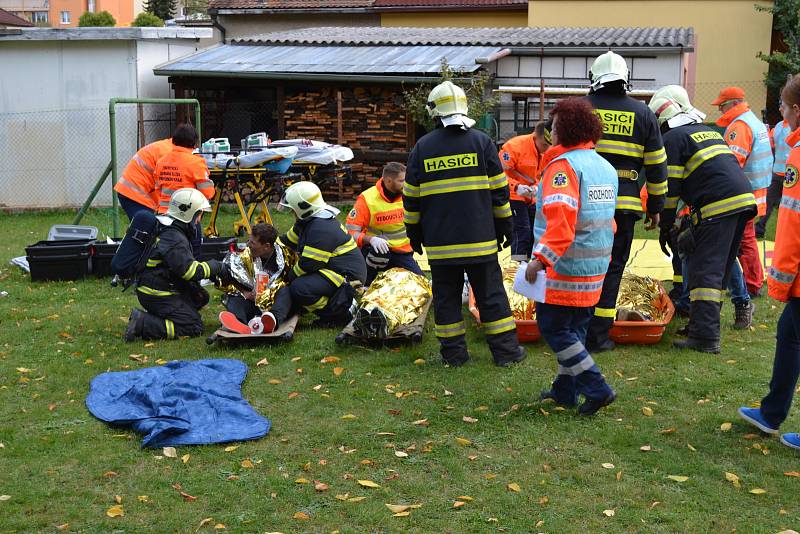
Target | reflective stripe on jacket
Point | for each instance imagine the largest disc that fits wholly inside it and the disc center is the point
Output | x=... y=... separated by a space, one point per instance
x=782 y=148
x=137 y=181
x=782 y=279
x=375 y=215
x=520 y=161
x=574 y=226
x=180 y=168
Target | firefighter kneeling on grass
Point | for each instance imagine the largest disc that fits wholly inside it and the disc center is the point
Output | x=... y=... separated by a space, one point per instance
x=328 y=263
x=169 y=286
x=456 y=204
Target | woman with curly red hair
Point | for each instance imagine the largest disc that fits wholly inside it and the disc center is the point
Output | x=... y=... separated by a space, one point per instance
x=573 y=235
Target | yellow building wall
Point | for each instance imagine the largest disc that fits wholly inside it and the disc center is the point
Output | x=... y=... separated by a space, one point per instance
x=462 y=19
x=728 y=34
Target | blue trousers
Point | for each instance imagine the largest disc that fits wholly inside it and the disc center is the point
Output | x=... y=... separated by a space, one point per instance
x=523 y=215
x=564 y=329
x=131 y=207
x=786 y=368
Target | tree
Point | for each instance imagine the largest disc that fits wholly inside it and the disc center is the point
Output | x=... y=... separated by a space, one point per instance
x=104 y=18
x=163 y=9
x=145 y=19
x=416 y=98
x=785 y=21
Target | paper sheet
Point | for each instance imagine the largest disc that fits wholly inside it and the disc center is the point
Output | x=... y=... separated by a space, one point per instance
x=534 y=291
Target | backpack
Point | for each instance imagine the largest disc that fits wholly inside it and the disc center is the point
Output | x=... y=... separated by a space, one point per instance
x=135 y=248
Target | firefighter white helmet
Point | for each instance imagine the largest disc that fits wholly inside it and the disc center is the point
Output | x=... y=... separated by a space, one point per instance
x=608 y=67
x=185 y=203
x=671 y=104
x=447 y=99
x=304 y=198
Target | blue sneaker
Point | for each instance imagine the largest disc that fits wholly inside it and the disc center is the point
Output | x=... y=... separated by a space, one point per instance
x=753 y=416
x=791 y=439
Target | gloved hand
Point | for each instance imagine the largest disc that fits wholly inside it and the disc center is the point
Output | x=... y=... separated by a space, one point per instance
x=224 y=277
x=414 y=234
x=663 y=240
x=379 y=244
x=504 y=232
x=527 y=191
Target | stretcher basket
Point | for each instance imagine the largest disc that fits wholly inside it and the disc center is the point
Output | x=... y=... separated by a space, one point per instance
x=622 y=332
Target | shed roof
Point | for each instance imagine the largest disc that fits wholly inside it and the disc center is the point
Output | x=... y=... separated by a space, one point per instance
x=409 y=5
x=366 y=5
x=10 y=19
x=100 y=34
x=511 y=37
x=361 y=63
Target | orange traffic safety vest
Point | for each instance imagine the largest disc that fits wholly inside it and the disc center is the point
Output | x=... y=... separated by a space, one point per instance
x=520 y=161
x=782 y=279
x=137 y=182
x=376 y=215
x=180 y=168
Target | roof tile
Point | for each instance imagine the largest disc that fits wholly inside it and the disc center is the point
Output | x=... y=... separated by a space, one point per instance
x=325 y=5
x=9 y=19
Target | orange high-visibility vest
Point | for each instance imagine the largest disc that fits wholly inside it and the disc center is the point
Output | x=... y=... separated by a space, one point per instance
x=782 y=279
x=520 y=161
x=180 y=168
x=137 y=182
x=376 y=215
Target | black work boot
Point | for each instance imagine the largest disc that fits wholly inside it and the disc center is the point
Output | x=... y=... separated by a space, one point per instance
x=743 y=316
x=700 y=345
x=521 y=355
x=134 y=328
x=595 y=347
x=590 y=406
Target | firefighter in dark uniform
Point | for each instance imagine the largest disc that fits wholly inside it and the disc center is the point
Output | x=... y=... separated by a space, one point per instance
x=169 y=286
x=631 y=141
x=328 y=263
x=456 y=204
x=705 y=174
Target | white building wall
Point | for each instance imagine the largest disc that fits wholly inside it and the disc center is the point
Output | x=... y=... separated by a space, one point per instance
x=54 y=115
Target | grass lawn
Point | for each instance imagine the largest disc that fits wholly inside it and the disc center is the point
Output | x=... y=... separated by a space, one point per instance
x=474 y=435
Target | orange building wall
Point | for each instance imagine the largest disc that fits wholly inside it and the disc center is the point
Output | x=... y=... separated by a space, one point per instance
x=121 y=10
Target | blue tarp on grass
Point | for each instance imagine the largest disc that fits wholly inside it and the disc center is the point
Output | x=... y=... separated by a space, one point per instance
x=180 y=403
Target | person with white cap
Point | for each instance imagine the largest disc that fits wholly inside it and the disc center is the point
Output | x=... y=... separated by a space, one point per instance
x=706 y=176
x=328 y=262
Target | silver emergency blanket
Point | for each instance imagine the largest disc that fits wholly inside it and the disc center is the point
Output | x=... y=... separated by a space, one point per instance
x=250 y=275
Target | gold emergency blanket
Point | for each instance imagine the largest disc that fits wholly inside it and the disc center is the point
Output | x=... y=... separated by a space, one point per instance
x=522 y=308
x=640 y=294
x=249 y=274
x=400 y=294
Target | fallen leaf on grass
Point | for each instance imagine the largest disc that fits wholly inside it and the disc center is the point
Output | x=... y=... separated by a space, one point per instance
x=356 y=499
x=110 y=474
x=115 y=511
x=401 y=454
x=274 y=381
x=301 y=481
x=64 y=526
x=204 y=522
x=463 y=441
x=607 y=465
x=220 y=526
x=301 y=515
x=401 y=514
x=689 y=446
x=329 y=359
x=666 y=431
x=292 y=395
x=513 y=486
x=231 y=448
x=725 y=427
x=792 y=474
x=733 y=479
x=143 y=498
x=678 y=478
x=619 y=476
x=544 y=500
x=169 y=452
x=419 y=361
x=648 y=411
x=472 y=457
x=421 y=422
x=118 y=499
x=398 y=508
x=5 y=497
x=468 y=419
x=247 y=463
x=645 y=448
x=337 y=371
x=608 y=513
x=368 y=484
x=262 y=361
x=758 y=491
x=187 y=497
x=464 y=498
x=185 y=458
x=320 y=486
x=348 y=417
